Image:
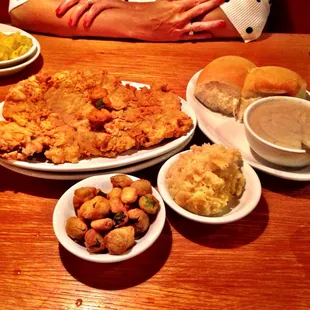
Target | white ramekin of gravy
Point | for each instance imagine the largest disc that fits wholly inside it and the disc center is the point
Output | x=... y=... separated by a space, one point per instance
x=278 y=130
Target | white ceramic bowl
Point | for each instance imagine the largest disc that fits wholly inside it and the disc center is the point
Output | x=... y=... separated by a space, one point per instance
x=273 y=153
x=19 y=67
x=24 y=57
x=247 y=202
x=15 y=69
x=64 y=209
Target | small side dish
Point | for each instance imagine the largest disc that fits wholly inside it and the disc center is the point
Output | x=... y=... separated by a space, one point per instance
x=205 y=180
x=278 y=129
x=209 y=184
x=111 y=221
x=104 y=218
x=13 y=45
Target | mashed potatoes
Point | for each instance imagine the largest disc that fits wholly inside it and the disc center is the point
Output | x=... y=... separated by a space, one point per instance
x=206 y=179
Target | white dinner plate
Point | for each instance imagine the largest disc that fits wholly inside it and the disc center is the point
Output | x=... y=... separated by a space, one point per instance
x=226 y=130
x=84 y=175
x=101 y=163
x=34 y=55
x=246 y=204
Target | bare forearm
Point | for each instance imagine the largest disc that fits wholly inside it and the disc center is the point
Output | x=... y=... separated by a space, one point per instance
x=41 y=17
x=126 y=21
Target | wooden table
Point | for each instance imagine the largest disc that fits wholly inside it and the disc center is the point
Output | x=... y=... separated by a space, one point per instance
x=259 y=262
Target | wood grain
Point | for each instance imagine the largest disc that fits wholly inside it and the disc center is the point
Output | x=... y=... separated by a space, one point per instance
x=259 y=262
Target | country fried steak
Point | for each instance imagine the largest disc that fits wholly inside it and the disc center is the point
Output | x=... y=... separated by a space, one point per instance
x=74 y=115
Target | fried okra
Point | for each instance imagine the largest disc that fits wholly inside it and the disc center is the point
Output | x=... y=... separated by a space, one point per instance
x=120 y=218
x=129 y=195
x=102 y=224
x=114 y=193
x=76 y=228
x=119 y=240
x=149 y=204
x=94 y=209
x=121 y=180
x=83 y=194
x=94 y=241
x=140 y=220
x=117 y=205
x=111 y=221
x=142 y=186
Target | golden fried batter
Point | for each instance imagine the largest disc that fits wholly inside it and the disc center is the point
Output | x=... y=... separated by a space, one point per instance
x=69 y=116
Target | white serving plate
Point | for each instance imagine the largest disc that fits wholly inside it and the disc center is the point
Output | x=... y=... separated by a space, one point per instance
x=226 y=130
x=83 y=175
x=100 y=163
x=246 y=203
x=64 y=209
x=35 y=52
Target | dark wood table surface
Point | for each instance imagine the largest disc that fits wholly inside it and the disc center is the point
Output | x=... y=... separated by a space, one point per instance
x=259 y=262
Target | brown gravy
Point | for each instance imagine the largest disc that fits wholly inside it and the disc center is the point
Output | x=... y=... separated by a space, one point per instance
x=284 y=124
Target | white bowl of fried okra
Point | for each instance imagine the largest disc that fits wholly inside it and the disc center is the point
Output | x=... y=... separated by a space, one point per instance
x=109 y=218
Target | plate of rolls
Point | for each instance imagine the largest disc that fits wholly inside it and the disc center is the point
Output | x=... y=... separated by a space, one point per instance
x=221 y=92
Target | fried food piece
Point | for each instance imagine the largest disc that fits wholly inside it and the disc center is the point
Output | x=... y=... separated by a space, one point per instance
x=119 y=240
x=117 y=205
x=140 y=219
x=149 y=204
x=129 y=194
x=114 y=193
x=102 y=224
x=120 y=219
x=97 y=118
x=17 y=142
x=83 y=194
x=60 y=108
x=121 y=180
x=97 y=93
x=94 y=209
x=151 y=116
x=76 y=228
x=74 y=115
x=142 y=186
x=94 y=241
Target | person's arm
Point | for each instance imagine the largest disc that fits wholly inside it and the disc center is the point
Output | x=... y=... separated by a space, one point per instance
x=40 y=16
x=229 y=31
x=145 y=21
x=248 y=17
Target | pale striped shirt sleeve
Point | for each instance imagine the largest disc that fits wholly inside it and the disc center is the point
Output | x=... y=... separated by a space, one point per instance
x=249 y=17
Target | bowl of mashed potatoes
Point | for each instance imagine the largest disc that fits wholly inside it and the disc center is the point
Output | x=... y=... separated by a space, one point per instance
x=209 y=184
x=278 y=130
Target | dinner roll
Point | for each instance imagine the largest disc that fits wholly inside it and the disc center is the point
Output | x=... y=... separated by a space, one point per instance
x=219 y=84
x=270 y=81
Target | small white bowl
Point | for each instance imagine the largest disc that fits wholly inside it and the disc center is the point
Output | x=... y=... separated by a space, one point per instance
x=14 y=69
x=247 y=202
x=24 y=57
x=273 y=153
x=64 y=209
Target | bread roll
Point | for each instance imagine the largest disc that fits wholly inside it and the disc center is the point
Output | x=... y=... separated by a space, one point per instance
x=220 y=82
x=270 y=81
